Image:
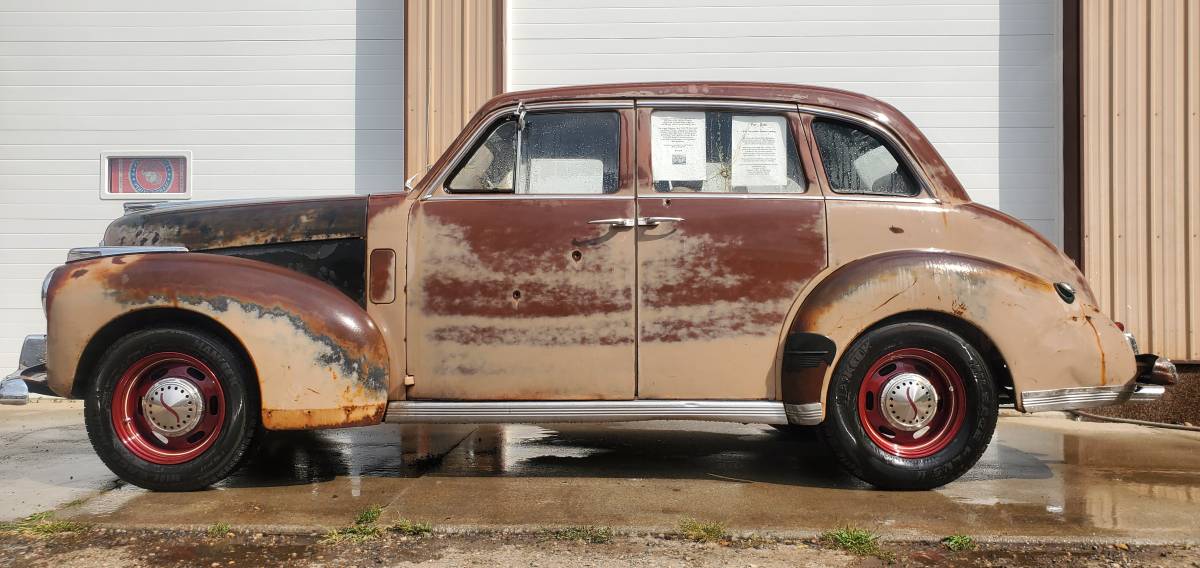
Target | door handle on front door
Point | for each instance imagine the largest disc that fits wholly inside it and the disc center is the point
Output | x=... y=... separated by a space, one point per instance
x=619 y=223
x=655 y=221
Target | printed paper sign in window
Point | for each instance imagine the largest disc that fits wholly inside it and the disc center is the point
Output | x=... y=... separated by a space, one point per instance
x=575 y=176
x=759 y=154
x=677 y=140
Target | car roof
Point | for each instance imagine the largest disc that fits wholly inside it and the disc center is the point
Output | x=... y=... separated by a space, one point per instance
x=837 y=99
x=947 y=185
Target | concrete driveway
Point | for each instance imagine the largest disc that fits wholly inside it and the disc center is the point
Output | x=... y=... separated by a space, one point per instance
x=1042 y=478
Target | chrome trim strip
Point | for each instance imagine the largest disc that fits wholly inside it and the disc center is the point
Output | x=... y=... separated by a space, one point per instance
x=568 y=105
x=13 y=390
x=31 y=365
x=808 y=414
x=138 y=206
x=715 y=103
x=695 y=194
x=33 y=351
x=511 y=196
x=884 y=199
x=437 y=412
x=1088 y=397
x=84 y=253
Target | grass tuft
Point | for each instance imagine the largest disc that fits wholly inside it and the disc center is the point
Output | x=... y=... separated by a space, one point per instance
x=366 y=527
x=40 y=524
x=218 y=530
x=854 y=540
x=697 y=531
x=410 y=528
x=589 y=534
x=959 y=542
x=369 y=515
x=363 y=529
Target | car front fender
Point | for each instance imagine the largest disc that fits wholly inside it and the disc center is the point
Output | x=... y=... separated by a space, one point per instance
x=1046 y=342
x=319 y=359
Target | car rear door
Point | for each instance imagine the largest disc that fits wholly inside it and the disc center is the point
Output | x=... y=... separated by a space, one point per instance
x=733 y=230
x=521 y=274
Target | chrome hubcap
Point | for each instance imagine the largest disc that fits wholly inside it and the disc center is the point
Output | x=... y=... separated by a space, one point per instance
x=909 y=402
x=173 y=407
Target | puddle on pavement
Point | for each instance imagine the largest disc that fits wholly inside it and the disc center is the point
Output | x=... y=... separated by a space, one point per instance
x=1039 y=476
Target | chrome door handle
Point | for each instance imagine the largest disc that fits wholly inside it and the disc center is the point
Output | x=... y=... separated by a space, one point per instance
x=655 y=221
x=622 y=223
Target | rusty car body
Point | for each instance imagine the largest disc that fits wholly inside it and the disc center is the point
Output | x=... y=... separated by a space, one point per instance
x=583 y=279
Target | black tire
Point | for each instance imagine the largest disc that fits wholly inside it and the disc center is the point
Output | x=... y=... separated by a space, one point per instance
x=846 y=435
x=238 y=428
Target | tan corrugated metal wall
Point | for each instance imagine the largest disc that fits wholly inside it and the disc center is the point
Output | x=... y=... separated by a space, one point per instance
x=454 y=62
x=1140 y=69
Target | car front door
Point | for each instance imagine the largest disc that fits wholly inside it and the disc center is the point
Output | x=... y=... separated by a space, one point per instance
x=735 y=230
x=521 y=271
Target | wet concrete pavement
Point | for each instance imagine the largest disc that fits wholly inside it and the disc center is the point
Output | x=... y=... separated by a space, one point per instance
x=1042 y=477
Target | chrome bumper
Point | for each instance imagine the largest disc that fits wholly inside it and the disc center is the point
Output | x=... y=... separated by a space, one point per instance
x=1089 y=397
x=31 y=371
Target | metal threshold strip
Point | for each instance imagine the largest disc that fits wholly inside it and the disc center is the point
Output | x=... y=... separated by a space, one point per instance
x=1088 y=397
x=746 y=411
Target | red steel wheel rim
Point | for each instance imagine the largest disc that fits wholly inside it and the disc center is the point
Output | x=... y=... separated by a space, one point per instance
x=941 y=423
x=133 y=427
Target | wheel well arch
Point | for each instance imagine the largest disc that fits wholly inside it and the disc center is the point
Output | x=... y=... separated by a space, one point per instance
x=996 y=363
x=149 y=317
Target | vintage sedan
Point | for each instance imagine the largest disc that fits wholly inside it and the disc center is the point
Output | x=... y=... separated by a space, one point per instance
x=758 y=253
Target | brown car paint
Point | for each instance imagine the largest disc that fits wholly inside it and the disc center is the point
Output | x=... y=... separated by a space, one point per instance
x=387 y=229
x=521 y=299
x=499 y=304
x=319 y=360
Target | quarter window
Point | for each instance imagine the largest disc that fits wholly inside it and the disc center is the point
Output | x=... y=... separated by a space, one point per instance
x=858 y=161
x=546 y=153
x=723 y=152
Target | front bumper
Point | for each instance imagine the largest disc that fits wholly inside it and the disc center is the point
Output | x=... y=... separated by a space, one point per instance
x=1154 y=375
x=30 y=374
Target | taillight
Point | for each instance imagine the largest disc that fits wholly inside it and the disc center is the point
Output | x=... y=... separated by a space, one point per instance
x=1120 y=325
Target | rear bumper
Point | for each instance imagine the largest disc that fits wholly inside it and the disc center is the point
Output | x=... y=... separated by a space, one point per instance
x=30 y=374
x=1153 y=376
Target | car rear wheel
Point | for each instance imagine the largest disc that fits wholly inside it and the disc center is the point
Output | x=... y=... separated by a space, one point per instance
x=910 y=406
x=171 y=409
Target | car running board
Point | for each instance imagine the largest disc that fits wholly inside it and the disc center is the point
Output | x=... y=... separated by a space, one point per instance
x=745 y=411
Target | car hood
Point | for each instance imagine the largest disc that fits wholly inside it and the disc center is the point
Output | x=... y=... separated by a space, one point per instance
x=209 y=225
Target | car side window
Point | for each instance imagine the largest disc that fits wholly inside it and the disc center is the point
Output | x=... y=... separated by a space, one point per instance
x=552 y=153
x=724 y=152
x=858 y=161
x=490 y=167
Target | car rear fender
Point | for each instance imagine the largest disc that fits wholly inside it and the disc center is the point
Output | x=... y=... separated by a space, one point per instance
x=1046 y=342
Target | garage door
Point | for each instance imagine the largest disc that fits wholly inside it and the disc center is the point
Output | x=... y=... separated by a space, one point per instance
x=982 y=78
x=270 y=98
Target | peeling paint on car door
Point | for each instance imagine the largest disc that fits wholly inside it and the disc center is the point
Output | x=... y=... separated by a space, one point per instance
x=715 y=285
x=522 y=296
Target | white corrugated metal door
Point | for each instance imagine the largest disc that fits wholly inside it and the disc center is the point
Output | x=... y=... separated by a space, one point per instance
x=271 y=97
x=982 y=78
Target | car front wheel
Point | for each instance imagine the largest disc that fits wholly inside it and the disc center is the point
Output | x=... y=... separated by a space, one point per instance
x=171 y=409
x=911 y=406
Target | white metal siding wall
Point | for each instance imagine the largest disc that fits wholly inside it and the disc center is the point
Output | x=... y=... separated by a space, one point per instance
x=273 y=98
x=982 y=78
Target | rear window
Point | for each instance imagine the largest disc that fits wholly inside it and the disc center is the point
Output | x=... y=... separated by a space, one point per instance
x=857 y=161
